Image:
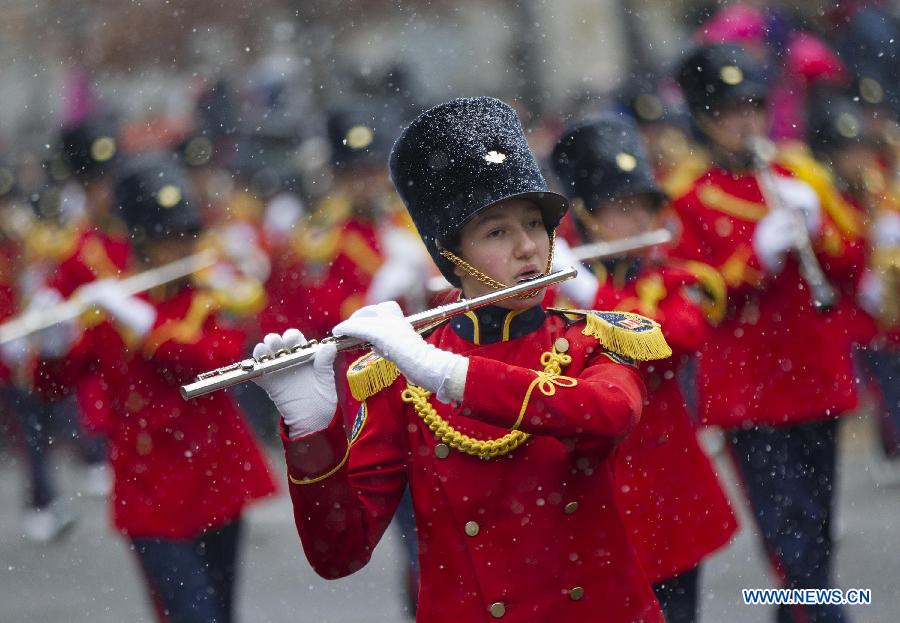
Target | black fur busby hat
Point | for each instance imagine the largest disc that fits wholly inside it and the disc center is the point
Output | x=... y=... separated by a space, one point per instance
x=715 y=76
x=460 y=158
x=603 y=159
x=154 y=199
x=89 y=148
x=834 y=121
x=360 y=136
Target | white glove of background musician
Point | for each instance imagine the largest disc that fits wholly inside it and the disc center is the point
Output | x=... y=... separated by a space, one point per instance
x=583 y=288
x=305 y=396
x=392 y=337
x=135 y=314
x=774 y=235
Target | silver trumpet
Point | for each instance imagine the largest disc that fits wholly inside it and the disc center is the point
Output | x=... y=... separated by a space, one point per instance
x=250 y=368
x=823 y=294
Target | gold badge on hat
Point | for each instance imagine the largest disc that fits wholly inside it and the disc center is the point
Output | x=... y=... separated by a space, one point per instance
x=648 y=106
x=495 y=157
x=168 y=196
x=103 y=148
x=847 y=125
x=626 y=162
x=731 y=75
x=359 y=137
x=871 y=91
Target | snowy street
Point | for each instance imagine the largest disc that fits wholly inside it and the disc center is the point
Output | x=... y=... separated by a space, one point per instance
x=90 y=577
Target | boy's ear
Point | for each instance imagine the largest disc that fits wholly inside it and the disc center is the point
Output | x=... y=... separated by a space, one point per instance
x=459 y=272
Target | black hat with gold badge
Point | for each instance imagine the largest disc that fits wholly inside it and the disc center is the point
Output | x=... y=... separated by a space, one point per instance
x=460 y=158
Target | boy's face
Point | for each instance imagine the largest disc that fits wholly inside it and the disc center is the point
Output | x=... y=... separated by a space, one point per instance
x=732 y=126
x=621 y=218
x=508 y=242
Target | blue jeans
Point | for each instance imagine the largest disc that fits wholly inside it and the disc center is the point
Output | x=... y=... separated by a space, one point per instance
x=884 y=366
x=192 y=581
x=788 y=476
x=677 y=596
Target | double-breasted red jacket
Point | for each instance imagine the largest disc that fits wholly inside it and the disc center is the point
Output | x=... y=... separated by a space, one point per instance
x=675 y=521
x=773 y=359
x=180 y=468
x=531 y=534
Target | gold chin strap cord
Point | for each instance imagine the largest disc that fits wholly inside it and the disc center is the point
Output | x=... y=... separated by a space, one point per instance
x=490 y=282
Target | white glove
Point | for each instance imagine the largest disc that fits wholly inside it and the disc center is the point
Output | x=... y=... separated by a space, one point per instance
x=582 y=289
x=800 y=196
x=392 y=337
x=404 y=270
x=871 y=292
x=241 y=246
x=15 y=351
x=886 y=230
x=283 y=212
x=305 y=396
x=53 y=342
x=136 y=315
x=773 y=238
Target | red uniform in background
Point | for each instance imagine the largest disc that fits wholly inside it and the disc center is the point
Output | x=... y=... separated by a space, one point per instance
x=322 y=277
x=774 y=359
x=97 y=254
x=529 y=535
x=181 y=468
x=674 y=521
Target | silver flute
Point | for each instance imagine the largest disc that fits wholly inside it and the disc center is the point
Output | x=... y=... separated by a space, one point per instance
x=250 y=368
x=823 y=294
x=36 y=320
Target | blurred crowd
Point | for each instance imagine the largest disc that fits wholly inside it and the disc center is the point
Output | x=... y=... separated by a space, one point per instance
x=306 y=228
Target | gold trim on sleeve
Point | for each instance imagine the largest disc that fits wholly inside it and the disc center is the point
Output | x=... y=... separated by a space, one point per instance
x=331 y=472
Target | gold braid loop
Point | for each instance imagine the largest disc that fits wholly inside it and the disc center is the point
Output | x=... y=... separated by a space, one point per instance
x=546 y=381
x=452 y=437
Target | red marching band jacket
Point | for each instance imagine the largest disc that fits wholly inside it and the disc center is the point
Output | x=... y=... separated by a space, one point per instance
x=531 y=534
x=97 y=254
x=773 y=359
x=321 y=277
x=674 y=521
x=180 y=468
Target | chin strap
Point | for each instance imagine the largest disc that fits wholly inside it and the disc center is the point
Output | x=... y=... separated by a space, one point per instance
x=490 y=282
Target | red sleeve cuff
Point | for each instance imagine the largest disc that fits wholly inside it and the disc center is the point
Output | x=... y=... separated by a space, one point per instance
x=318 y=455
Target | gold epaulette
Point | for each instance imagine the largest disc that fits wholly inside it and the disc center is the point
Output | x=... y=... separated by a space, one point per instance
x=244 y=297
x=715 y=301
x=370 y=374
x=797 y=158
x=624 y=333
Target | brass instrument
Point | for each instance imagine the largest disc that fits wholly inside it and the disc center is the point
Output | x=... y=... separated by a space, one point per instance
x=36 y=320
x=250 y=368
x=592 y=251
x=823 y=294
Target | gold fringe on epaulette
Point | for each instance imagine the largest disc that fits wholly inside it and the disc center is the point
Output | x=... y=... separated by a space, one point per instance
x=641 y=346
x=370 y=379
